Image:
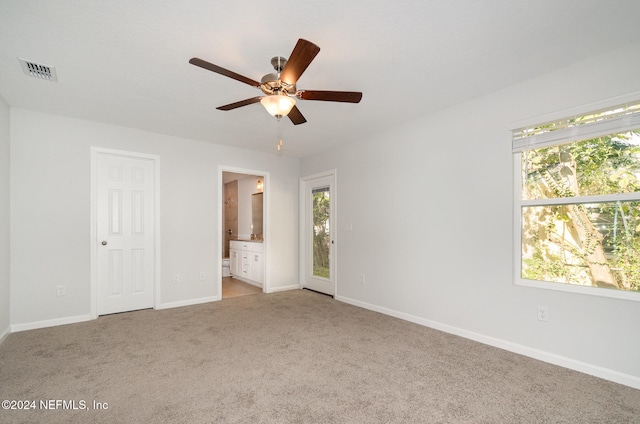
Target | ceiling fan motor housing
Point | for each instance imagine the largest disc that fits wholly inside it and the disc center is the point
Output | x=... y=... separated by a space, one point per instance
x=271 y=84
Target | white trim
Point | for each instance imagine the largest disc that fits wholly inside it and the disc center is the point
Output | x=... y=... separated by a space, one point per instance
x=266 y=231
x=5 y=333
x=333 y=216
x=559 y=360
x=577 y=289
x=95 y=151
x=285 y=288
x=603 y=198
x=50 y=323
x=302 y=261
x=516 y=235
x=188 y=302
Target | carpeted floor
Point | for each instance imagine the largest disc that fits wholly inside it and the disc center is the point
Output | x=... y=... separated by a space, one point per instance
x=289 y=357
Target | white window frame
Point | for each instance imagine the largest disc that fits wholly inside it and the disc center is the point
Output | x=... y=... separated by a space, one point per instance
x=563 y=136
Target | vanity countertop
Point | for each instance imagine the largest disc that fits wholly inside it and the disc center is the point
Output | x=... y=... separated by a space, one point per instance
x=248 y=240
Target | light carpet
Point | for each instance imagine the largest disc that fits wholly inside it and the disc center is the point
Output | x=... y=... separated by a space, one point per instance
x=289 y=357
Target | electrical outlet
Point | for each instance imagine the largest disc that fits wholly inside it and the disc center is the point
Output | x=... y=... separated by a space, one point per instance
x=362 y=279
x=543 y=313
x=61 y=290
x=202 y=276
x=176 y=279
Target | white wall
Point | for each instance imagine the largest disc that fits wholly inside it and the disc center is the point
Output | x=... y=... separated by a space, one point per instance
x=50 y=213
x=4 y=219
x=431 y=208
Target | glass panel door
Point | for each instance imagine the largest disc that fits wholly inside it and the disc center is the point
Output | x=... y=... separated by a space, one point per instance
x=321 y=206
x=317 y=217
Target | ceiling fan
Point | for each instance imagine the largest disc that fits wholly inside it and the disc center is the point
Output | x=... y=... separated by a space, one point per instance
x=280 y=87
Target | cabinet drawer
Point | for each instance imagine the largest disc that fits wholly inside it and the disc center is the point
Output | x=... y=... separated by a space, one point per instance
x=235 y=244
x=251 y=247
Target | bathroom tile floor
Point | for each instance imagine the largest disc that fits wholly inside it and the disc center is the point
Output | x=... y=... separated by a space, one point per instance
x=233 y=288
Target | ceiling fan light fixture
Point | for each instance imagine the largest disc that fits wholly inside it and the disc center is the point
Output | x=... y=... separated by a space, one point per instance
x=279 y=88
x=278 y=105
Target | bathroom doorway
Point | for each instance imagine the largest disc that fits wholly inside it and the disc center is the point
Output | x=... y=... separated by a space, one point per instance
x=243 y=228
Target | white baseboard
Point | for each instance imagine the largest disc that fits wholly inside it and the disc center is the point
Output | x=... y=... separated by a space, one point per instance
x=563 y=361
x=4 y=334
x=284 y=288
x=49 y=323
x=246 y=280
x=81 y=318
x=188 y=302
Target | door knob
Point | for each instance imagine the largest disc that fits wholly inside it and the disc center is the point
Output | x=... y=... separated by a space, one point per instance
x=104 y=242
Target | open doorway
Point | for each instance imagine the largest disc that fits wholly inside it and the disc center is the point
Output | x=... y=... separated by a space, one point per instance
x=243 y=228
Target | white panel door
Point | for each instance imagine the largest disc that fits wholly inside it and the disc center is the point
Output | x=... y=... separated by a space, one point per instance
x=125 y=233
x=318 y=226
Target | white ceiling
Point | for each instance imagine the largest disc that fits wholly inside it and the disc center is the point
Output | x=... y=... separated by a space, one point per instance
x=125 y=62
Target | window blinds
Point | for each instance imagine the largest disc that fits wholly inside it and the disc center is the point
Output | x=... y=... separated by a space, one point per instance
x=612 y=120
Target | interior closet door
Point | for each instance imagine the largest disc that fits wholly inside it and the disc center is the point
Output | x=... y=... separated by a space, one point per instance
x=125 y=233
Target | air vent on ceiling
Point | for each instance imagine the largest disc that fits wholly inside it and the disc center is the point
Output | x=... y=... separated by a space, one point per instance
x=38 y=70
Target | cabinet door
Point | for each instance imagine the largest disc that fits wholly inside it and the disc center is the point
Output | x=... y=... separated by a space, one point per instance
x=257 y=267
x=234 y=261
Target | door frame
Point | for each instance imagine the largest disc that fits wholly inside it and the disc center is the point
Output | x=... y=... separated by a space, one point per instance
x=333 y=208
x=95 y=152
x=265 y=222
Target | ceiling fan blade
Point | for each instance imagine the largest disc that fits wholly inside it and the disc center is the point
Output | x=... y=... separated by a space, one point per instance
x=222 y=71
x=296 y=116
x=300 y=58
x=241 y=103
x=330 y=96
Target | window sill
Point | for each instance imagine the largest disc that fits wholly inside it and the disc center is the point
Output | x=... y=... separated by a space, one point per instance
x=568 y=288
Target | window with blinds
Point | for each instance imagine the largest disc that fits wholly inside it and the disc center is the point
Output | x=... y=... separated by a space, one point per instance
x=577 y=205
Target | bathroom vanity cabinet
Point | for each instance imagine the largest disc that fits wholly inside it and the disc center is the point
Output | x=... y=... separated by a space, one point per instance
x=247 y=261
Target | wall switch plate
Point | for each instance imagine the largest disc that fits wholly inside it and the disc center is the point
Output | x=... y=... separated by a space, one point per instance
x=202 y=276
x=362 y=279
x=543 y=313
x=176 y=279
x=61 y=290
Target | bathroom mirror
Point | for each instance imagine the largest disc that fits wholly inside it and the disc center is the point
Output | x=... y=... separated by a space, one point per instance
x=256 y=214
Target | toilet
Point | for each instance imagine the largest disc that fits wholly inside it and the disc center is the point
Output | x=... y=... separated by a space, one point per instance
x=226 y=269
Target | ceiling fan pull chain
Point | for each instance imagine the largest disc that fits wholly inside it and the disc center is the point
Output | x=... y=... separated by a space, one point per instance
x=279 y=135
